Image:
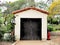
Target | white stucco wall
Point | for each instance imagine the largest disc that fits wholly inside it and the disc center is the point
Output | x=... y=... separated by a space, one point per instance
x=31 y=14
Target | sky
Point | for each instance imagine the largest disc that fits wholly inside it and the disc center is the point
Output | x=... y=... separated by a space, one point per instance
x=40 y=0
x=15 y=0
x=4 y=1
x=10 y=0
x=1 y=1
x=7 y=0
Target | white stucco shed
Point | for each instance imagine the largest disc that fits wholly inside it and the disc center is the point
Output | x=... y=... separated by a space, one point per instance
x=30 y=12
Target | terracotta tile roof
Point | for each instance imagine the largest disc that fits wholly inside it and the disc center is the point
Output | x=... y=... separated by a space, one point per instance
x=33 y=8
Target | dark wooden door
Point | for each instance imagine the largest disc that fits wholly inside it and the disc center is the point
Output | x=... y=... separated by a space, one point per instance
x=30 y=29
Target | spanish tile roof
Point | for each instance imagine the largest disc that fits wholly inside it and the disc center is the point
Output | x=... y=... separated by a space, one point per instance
x=33 y=8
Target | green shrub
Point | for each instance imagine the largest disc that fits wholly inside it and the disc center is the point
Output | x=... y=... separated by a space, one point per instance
x=49 y=19
x=50 y=28
x=1 y=35
x=55 y=21
x=7 y=37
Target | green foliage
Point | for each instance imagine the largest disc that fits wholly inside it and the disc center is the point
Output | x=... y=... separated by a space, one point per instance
x=54 y=23
x=53 y=20
x=50 y=28
x=7 y=37
x=9 y=17
x=9 y=23
x=49 y=19
x=6 y=27
x=2 y=20
x=3 y=28
x=1 y=35
x=22 y=4
x=42 y=5
x=13 y=6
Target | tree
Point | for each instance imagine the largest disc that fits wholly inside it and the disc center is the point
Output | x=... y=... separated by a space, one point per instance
x=55 y=8
x=42 y=5
x=30 y=3
x=13 y=6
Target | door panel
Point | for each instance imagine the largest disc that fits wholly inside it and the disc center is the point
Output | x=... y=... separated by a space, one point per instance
x=30 y=29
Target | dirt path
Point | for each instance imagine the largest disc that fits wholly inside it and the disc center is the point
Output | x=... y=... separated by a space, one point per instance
x=5 y=43
x=55 y=40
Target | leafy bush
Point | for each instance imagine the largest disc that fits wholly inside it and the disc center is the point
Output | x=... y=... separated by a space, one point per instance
x=50 y=28
x=49 y=19
x=1 y=35
x=6 y=26
x=7 y=36
x=55 y=21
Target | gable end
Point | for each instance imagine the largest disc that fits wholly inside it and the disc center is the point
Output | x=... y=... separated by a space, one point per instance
x=33 y=8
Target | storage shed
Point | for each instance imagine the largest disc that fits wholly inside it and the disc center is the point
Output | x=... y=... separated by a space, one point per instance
x=31 y=24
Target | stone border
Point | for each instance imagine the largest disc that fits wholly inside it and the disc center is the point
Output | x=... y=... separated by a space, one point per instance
x=55 y=33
